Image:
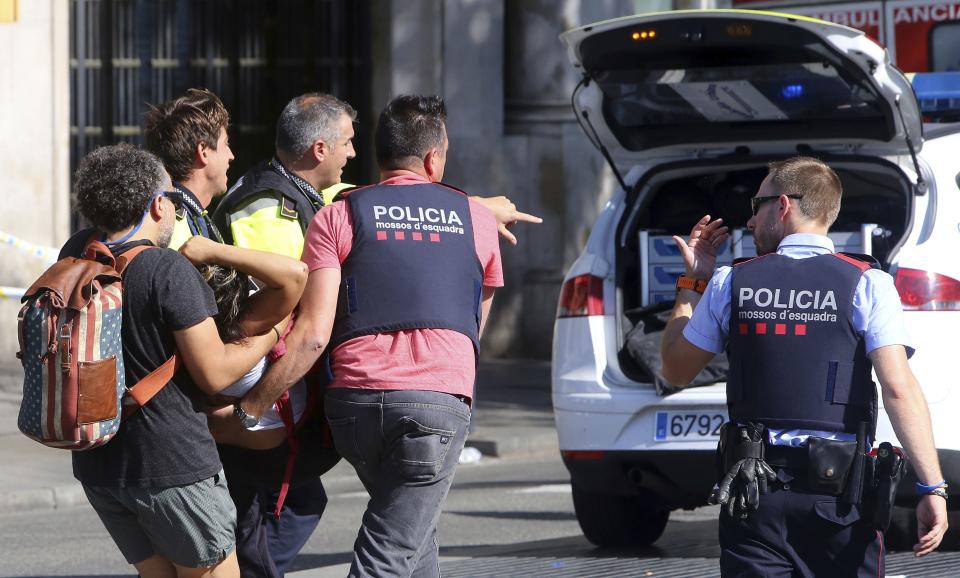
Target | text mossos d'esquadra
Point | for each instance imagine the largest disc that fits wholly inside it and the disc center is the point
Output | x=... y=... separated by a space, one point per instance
x=418 y=219
x=777 y=304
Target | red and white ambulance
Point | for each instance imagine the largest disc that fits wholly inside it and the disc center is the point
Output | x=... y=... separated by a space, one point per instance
x=920 y=35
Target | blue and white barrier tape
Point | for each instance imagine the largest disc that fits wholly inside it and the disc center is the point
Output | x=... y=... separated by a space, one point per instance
x=48 y=254
x=15 y=293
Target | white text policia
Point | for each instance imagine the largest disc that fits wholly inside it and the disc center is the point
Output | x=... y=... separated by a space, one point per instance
x=802 y=299
x=418 y=218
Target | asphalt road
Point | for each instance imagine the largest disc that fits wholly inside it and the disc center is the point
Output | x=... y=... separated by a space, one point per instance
x=503 y=518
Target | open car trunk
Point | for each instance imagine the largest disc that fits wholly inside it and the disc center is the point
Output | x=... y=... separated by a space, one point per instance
x=875 y=217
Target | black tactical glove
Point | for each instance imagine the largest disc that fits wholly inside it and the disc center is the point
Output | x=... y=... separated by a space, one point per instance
x=742 y=485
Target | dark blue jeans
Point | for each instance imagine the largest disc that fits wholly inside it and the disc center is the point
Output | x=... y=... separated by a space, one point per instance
x=404 y=446
x=299 y=517
x=266 y=546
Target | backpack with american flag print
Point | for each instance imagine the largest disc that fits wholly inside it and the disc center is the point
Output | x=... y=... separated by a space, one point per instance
x=74 y=391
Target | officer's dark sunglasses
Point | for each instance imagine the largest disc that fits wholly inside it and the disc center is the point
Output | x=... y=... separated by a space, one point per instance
x=755 y=202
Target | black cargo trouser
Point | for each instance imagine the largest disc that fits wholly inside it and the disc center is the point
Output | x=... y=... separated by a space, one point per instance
x=798 y=533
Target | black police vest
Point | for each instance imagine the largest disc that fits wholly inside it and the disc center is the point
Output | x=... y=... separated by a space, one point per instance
x=413 y=263
x=254 y=182
x=796 y=360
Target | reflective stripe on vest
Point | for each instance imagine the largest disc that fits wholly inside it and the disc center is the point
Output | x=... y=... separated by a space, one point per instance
x=181 y=233
x=330 y=193
x=265 y=230
x=262 y=184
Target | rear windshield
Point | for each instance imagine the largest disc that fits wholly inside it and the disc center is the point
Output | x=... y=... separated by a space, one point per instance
x=803 y=91
x=723 y=80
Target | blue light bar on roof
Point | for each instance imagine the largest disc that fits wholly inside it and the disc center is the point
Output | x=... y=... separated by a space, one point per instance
x=792 y=91
x=938 y=92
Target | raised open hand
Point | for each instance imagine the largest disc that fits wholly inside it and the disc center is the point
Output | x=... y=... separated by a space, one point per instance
x=700 y=251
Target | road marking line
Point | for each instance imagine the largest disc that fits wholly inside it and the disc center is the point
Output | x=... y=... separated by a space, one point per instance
x=349 y=495
x=546 y=489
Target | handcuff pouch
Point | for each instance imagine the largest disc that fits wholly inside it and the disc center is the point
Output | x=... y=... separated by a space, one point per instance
x=829 y=463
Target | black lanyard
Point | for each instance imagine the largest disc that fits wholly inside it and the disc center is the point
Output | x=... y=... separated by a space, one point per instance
x=197 y=220
x=315 y=198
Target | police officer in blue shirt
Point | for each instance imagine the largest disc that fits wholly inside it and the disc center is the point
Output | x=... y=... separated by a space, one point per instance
x=803 y=327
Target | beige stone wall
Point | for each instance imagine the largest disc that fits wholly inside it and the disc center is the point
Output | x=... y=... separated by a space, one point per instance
x=34 y=151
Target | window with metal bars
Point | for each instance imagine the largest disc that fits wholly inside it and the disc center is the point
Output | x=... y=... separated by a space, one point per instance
x=255 y=54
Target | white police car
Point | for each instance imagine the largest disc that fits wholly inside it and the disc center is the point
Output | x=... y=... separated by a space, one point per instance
x=691 y=106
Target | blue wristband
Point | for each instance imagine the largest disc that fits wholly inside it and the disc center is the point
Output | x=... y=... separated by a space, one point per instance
x=924 y=489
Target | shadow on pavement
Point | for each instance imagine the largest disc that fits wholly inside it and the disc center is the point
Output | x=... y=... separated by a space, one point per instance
x=683 y=540
x=547 y=516
x=487 y=484
x=311 y=561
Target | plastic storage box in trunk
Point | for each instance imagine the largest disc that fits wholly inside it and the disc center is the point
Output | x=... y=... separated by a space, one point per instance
x=661 y=263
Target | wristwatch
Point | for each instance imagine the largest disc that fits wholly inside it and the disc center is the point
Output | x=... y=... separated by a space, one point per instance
x=698 y=285
x=246 y=420
x=942 y=492
x=933 y=489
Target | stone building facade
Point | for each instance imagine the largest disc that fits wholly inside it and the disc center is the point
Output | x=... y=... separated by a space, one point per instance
x=498 y=64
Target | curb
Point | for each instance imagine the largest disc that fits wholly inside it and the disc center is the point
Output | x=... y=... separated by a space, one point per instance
x=527 y=444
x=533 y=443
x=42 y=499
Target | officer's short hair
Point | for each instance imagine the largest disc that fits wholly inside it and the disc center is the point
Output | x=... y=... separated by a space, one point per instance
x=816 y=182
x=175 y=128
x=308 y=118
x=114 y=185
x=408 y=128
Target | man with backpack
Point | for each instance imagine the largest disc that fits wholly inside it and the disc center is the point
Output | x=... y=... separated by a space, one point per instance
x=158 y=485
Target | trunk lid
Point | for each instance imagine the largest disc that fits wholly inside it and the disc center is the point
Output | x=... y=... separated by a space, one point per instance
x=711 y=82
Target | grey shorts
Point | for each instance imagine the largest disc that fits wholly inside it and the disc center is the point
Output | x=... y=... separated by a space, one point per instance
x=192 y=526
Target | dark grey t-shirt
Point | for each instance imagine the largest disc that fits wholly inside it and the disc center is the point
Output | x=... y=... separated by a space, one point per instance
x=165 y=443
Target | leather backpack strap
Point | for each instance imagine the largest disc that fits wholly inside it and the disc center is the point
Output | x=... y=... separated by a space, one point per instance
x=96 y=250
x=144 y=390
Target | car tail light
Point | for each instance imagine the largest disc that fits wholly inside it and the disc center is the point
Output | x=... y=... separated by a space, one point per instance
x=581 y=296
x=582 y=454
x=927 y=291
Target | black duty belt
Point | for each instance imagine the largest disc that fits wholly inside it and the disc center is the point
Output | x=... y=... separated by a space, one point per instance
x=787 y=457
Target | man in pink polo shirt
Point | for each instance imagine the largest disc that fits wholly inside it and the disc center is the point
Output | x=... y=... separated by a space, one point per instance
x=402 y=275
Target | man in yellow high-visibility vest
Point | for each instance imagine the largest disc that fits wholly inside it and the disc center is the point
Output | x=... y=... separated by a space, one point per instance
x=270 y=207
